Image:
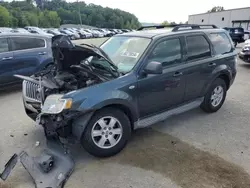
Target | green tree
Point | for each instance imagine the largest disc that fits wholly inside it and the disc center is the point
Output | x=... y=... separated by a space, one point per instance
x=216 y=9
x=42 y=22
x=31 y=18
x=53 y=18
x=165 y=23
x=55 y=12
x=4 y=17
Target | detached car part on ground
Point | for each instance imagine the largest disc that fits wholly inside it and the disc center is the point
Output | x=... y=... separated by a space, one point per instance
x=99 y=95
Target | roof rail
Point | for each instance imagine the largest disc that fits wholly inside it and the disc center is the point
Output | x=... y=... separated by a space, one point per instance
x=192 y=26
x=155 y=26
x=177 y=27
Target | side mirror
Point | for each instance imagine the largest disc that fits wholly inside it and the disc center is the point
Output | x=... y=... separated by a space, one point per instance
x=153 y=67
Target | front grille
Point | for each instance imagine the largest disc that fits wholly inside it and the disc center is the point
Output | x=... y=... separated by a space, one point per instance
x=31 y=91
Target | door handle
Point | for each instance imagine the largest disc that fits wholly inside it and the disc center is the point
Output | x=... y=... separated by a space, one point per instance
x=41 y=53
x=176 y=74
x=7 y=58
x=212 y=64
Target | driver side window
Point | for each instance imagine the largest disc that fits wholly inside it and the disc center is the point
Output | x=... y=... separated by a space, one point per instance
x=167 y=52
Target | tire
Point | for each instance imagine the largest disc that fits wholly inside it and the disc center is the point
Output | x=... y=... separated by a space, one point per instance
x=210 y=105
x=99 y=145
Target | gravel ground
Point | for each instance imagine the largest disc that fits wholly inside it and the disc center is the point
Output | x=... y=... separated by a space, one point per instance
x=192 y=150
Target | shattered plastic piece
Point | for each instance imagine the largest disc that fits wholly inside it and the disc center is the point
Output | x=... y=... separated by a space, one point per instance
x=9 y=166
x=37 y=143
x=58 y=174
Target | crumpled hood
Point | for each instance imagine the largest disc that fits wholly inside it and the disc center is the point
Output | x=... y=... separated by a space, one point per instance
x=66 y=53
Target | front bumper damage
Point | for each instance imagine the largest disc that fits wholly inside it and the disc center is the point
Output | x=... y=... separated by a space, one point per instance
x=50 y=169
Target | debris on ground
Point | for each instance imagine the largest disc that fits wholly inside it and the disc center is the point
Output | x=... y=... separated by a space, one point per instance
x=37 y=143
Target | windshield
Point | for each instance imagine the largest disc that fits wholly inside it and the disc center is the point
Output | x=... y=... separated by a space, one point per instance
x=125 y=51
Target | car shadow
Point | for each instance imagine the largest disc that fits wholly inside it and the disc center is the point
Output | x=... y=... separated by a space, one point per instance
x=245 y=65
x=184 y=164
x=169 y=156
x=10 y=90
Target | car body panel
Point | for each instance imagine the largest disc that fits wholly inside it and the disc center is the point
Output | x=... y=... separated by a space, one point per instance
x=24 y=62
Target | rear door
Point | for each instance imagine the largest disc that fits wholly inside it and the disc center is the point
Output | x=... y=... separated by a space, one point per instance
x=29 y=52
x=7 y=62
x=199 y=64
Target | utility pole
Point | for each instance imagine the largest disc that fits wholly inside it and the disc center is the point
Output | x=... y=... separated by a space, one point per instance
x=80 y=18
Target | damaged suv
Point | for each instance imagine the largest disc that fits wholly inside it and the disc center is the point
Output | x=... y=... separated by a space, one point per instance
x=99 y=95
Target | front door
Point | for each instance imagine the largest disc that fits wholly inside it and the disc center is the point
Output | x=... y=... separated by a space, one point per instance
x=161 y=92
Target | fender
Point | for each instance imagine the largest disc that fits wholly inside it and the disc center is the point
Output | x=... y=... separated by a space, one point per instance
x=94 y=103
x=218 y=71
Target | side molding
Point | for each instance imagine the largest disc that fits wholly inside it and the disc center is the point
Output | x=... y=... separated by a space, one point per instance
x=164 y=115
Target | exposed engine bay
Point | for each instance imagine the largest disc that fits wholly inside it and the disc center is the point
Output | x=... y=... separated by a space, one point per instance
x=74 y=67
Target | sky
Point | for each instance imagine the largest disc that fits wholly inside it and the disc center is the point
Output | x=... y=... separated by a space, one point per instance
x=157 y=11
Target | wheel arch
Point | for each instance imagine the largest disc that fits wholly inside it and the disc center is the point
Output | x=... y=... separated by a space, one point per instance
x=79 y=125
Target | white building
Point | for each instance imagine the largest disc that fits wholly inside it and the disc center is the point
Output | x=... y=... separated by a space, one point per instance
x=227 y=18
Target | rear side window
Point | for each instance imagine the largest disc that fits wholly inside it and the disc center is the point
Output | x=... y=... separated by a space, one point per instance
x=221 y=43
x=197 y=47
x=23 y=43
x=4 y=46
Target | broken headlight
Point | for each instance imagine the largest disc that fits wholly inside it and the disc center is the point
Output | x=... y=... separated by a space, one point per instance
x=54 y=104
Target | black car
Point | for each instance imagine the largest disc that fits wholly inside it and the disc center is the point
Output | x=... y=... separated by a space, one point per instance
x=237 y=34
x=100 y=95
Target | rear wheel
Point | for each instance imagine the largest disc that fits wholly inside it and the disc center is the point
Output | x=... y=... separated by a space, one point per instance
x=215 y=96
x=107 y=133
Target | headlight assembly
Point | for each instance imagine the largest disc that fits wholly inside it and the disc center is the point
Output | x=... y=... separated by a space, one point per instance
x=54 y=104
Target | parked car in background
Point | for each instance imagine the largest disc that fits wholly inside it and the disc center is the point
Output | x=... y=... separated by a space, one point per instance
x=237 y=34
x=245 y=53
x=68 y=33
x=37 y=30
x=19 y=30
x=94 y=34
x=54 y=32
x=5 y=29
x=87 y=34
x=106 y=32
x=76 y=34
x=98 y=33
x=23 y=54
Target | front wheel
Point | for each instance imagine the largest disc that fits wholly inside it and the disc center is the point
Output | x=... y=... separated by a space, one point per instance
x=107 y=133
x=215 y=96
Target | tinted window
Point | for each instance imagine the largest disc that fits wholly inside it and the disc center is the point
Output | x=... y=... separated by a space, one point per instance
x=4 y=47
x=167 y=52
x=221 y=43
x=197 y=47
x=22 y=43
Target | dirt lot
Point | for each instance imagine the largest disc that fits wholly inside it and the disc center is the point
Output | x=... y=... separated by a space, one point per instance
x=193 y=150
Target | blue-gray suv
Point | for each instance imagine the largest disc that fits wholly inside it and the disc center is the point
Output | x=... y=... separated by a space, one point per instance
x=99 y=95
x=23 y=54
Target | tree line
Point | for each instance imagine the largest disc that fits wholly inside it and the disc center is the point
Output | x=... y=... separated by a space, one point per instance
x=56 y=12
